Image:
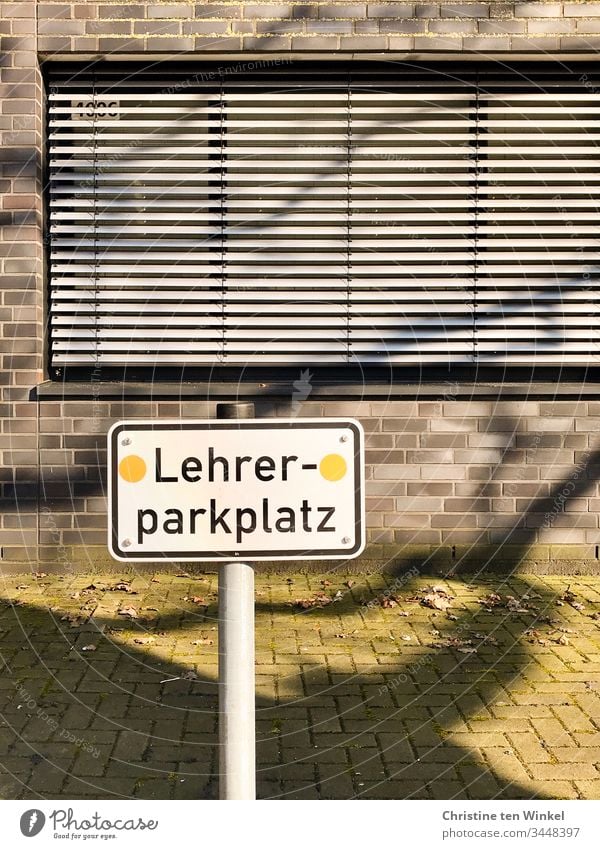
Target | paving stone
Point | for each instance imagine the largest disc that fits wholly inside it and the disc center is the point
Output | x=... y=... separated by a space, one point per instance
x=363 y=717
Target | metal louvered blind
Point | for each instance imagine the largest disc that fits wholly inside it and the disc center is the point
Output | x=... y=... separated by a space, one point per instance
x=341 y=216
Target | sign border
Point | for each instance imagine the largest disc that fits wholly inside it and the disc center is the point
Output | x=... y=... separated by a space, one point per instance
x=235 y=424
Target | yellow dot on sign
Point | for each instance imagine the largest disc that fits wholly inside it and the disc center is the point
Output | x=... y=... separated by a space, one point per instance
x=132 y=468
x=333 y=467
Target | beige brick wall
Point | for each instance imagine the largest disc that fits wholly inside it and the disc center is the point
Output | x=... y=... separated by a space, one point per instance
x=447 y=480
x=318 y=27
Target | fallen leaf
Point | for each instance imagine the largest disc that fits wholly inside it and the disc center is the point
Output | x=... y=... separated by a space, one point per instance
x=563 y=640
x=41 y=575
x=128 y=611
x=338 y=596
x=387 y=601
x=204 y=641
x=191 y=675
x=144 y=641
x=22 y=587
x=91 y=647
x=350 y=584
x=122 y=587
x=436 y=601
x=319 y=600
x=406 y=637
x=491 y=600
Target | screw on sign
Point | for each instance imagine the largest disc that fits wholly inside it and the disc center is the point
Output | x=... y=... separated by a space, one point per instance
x=261 y=489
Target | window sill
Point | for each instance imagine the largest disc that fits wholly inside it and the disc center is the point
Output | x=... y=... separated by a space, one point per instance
x=51 y=390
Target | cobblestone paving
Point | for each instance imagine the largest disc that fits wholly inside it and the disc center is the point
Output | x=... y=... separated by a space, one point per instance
x=363 y=691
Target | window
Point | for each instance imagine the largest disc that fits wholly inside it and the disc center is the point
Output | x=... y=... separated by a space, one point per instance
x=323 y=215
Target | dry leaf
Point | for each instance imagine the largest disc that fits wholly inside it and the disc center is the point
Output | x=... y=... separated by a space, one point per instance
x=89 y=648
x=319 y=600
x=128 y=611
x=122 y=587
x=491 y=600
x=436 y=601
x=563 y=641
x=350 y=584
x=191 y=675
x=406 y=637
x=204 y=641
x=145 y=641
x=41 y=575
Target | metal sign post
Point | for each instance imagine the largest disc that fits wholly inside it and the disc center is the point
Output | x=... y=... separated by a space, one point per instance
x=233 y=491
x=237 y=692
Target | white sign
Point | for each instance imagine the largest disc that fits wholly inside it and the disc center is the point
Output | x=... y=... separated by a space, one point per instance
x=261 y=489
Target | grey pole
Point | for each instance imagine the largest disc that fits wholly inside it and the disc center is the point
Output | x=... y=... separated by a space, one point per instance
x=237 y=731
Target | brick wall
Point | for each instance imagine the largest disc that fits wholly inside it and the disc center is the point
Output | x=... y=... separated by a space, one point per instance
x=448 y=481
x=318 y=27
x=21 y=311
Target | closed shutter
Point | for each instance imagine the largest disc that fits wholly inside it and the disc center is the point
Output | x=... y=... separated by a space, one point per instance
x=538 y=229
x=348 y=215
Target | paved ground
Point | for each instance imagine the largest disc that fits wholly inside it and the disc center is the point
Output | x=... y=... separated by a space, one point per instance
x=108 y=689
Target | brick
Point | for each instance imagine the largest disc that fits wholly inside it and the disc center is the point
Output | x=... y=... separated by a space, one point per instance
x=427 y=10
x=170 y=10
x=402 y=27
x=550 y=27
x=365 y=42
x=390 y=10
x=500 y=27
x=339 y=10
x=48 y=27
x=538 y=10
x=218 y=11
x=118 y=10
x=580 y=43
x=54 y=10
x=535 y=43
x=581 y=10
x=486 y=43
x=467 y=10
x=266 y=10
